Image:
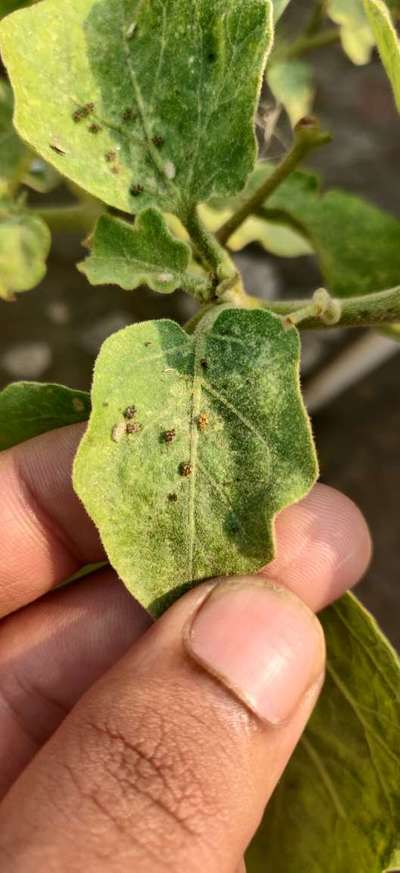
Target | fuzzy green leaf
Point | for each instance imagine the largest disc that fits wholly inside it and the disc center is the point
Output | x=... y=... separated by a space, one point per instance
x=356 y=34
x=337 y=808
x=163 y=94
x=292 y=84
x=357 y=244
x=146 y=254
x=8 y=6
x=214 y=441
x=387 y=42
x=24 y=246
x=13 y=152
x=28 y=409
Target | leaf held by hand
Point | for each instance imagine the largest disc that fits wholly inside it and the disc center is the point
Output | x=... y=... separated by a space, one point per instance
x=194 y=444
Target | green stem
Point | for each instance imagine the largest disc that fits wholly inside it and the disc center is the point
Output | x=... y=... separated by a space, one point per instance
x=307 y=137
x=212 y=254
x=306 y=44
x=371 y=310
x=69 y=219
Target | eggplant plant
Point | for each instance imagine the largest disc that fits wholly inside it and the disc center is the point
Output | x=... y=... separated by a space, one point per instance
x=198 y=436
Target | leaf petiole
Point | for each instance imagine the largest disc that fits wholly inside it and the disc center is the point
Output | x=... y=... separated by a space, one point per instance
x=307 y=137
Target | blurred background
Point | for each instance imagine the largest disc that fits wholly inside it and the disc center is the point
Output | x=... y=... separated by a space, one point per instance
x=54 y=332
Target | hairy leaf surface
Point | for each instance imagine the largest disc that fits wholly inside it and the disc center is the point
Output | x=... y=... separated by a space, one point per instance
x=387 y=42
x=24 y=246
x=292 y=84
x=13 y=152
x=145 y=254
x=141 y=104
x=28 y=409
x=337 y=808
x=194 y=444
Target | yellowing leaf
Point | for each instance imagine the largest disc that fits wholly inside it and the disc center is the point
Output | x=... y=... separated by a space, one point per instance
x=356 y=35
x=24 y=246
x=141 y=104
x=292 y=84
x=337 y=807
x=387 y=42
x=194 y=444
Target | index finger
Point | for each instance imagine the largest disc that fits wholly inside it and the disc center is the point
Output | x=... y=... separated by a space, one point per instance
x=45 y=534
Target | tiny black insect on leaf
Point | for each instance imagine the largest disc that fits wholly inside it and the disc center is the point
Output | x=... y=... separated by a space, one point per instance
x=128 y=115
x=204 y=363
x=158 y=141
x=136 y=190
x=94 y=128
x=169 y=436
x=185 y=469
x=130 y=412
x=172 y=498
x=110 y=157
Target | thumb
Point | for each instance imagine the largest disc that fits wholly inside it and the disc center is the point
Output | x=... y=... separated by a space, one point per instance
x=168 y=761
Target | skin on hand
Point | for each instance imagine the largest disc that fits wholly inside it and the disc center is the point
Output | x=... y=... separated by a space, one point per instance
x=127 y=745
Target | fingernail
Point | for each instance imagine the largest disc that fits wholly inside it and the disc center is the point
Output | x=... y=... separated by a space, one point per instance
x=262 y=642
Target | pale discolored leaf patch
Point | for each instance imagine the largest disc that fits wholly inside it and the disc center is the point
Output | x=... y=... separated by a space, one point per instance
x=337 y=807
x=194 y=444
x=141 y=104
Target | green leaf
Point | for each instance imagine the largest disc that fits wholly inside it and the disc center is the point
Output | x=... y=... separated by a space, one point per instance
x=394 y=863
x=28 y=409
x=8 y=6
x=24 y=246
x=194 y=444
x=387 y=42
x=357 y=38
x=13 y=152
x=337 y=808
x=357 y=244
x=173 y=88
x=146 y=254
x=292 y=84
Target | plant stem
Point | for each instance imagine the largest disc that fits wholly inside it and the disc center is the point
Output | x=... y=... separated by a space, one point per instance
x=306 y=44
x=212 y=253
x=307 y=137
x=371 y=310
x=69 y=219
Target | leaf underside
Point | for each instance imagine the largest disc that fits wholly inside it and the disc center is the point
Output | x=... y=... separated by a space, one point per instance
x=337 y=808
x=219 y=443
x=28 y=409
x=163 y=94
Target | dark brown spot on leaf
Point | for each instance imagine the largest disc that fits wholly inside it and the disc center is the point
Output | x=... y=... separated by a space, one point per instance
x=202 y=422
x=185 y=469
x=135 y=190
x=133 y=427
x=172 y=498
x=169 y=436
x=130 y=412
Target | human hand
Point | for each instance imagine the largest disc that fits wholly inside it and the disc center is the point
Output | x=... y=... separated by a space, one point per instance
x=131 y=746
